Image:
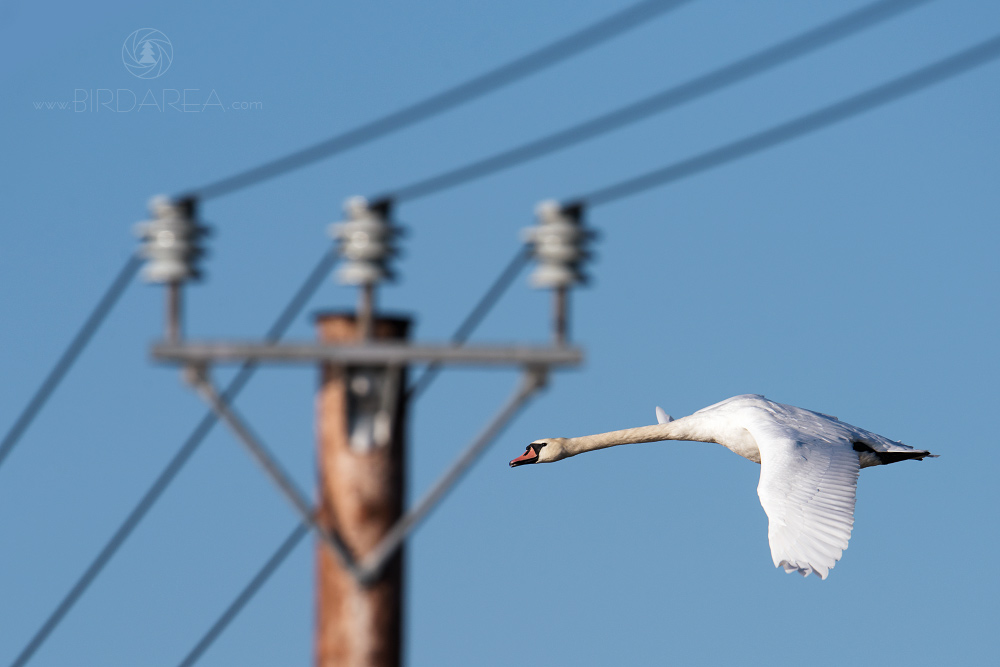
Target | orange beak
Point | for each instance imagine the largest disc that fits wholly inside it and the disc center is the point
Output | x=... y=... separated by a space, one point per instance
x=529 y=456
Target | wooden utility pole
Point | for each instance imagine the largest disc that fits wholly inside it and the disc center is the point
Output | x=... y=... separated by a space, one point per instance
x=361 y=495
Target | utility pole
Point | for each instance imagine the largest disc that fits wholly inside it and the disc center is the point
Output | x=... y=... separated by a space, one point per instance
x=359 y=516
x=361 y=494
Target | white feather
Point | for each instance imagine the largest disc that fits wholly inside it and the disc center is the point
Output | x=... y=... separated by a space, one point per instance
x=662 y=417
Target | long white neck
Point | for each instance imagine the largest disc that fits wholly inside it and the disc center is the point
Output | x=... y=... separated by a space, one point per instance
x=686 y=428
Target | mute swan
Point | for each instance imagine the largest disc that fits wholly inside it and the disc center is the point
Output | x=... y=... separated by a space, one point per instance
x=808 y=475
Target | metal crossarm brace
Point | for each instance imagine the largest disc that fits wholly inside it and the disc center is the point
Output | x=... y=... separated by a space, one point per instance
x=199 y=380
x=370 y=569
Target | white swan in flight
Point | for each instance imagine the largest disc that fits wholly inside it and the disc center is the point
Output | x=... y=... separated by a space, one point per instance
x=808 y=473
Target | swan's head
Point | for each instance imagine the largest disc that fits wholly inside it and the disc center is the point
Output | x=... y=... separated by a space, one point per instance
x=545 y=450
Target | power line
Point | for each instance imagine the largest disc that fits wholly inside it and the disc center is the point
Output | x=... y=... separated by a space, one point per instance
x=246 y=371
x=475 y=316
x=259 y=579
x=925 y=77
x=562 y=49
x=70 y=355
x=769 y=58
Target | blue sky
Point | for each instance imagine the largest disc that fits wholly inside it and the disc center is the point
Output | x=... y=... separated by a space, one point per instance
x=852 y=271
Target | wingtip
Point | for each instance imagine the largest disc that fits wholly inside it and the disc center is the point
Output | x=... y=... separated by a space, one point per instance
x=804 y=570
x=662 y=417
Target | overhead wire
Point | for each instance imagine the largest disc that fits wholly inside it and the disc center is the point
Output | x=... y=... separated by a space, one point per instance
x=769 y=58
x=246 y=594
x=475 y=316
x=880 y=95
x=547 y=56
x=69 y=356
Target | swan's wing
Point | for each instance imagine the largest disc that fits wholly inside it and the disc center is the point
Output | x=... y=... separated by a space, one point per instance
x=807 y=487
x=662 y=417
